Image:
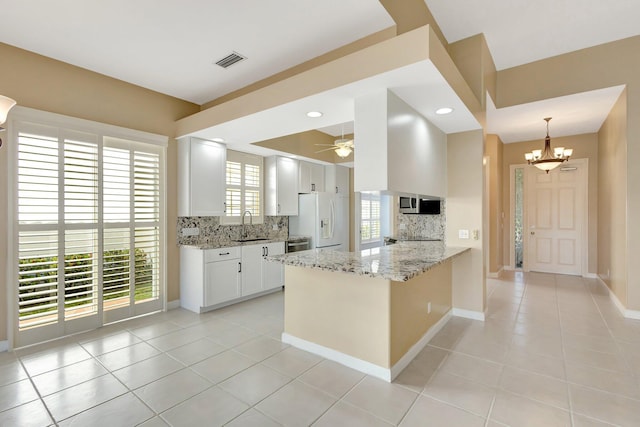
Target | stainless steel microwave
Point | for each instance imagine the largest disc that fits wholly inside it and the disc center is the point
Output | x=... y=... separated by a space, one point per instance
x=408 y=205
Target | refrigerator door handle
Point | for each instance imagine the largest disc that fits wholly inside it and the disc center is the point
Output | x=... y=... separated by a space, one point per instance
x=333 y=218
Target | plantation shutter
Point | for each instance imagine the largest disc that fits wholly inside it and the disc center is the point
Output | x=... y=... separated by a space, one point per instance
x=90 y=229
x=244 y=187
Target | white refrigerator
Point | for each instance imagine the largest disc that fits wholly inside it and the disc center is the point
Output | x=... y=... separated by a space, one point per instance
x=320 y=216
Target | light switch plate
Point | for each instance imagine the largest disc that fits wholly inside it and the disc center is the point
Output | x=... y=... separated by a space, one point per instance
x=463 y=234
x=194 y=231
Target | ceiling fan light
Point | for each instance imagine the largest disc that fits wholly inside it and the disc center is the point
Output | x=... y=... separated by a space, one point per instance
x=343 y=152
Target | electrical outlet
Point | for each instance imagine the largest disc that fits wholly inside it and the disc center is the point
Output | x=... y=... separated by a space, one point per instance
x=476 y=234
x=463 y=234
x=194 y=231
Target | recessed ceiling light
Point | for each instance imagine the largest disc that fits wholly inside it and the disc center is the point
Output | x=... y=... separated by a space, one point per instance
x=217 y=139
x=444 y=110
x=314 y=114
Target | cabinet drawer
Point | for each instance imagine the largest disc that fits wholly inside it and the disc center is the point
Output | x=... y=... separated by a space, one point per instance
x=221 y=254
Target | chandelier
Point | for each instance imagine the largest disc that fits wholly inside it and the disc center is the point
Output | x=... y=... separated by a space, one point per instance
x=547 y=158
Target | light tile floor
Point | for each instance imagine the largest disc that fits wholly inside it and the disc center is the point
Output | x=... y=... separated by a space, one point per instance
x=553 y=351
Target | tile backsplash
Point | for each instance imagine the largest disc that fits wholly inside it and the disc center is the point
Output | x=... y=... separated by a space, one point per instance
x=211 y=231
x=431 y=226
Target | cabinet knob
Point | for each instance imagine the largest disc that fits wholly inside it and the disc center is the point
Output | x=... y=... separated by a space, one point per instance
x=239 y=267
x=336 y=189
x=223 y=253
x=313 y=187
x=278 y=207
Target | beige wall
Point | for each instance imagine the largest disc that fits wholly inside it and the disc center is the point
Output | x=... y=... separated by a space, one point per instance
x=45 y=84
x=372 y=319
x=465 y=210
x=610 y=64
x=409 y=318
x=612 y=166
x=473 y=59
x=584 y=147
x=493 y=154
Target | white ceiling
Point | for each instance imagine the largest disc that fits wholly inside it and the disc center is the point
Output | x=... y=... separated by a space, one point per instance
x=170 y=46
x=523 y=31
x=572 y=115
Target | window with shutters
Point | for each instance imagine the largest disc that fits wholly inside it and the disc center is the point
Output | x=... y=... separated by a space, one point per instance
x=244 y=188
x=369 y=217
x=89 y=227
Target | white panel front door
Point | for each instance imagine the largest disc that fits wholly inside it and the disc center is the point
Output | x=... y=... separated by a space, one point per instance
x=555 y=219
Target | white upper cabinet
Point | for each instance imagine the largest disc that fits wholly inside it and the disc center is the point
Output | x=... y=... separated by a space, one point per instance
x=311 y=177
x=201 y=177
x=281 y=186
x=336 y=179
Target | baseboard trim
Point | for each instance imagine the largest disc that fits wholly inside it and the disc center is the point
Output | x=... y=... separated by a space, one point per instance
x=418 y=346
x=497 y=274
x=363 y=366
x=629 y=314
x=4 y=346
x=468 y=314
x=339 y=357
x=173 y=304
x=591 y=276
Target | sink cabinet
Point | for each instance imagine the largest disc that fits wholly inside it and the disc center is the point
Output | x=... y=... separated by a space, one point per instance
x=257 y=274
x=211 y=278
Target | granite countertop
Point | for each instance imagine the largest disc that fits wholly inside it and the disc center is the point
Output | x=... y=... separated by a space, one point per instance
x=399 y=262
x=230 y=243
x=227 y=243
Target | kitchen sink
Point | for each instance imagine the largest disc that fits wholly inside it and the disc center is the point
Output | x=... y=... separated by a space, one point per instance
x=254 y=239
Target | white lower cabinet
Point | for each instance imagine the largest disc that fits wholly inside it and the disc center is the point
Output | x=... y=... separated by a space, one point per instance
x=213 y=277
x=221 y=281
x=273 y=272
x=252 y=269
x=258 y=274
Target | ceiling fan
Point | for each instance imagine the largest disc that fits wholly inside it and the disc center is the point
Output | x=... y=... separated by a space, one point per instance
x=342 y=147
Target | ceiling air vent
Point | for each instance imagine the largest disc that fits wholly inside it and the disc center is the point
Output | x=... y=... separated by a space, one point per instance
x=229 y=60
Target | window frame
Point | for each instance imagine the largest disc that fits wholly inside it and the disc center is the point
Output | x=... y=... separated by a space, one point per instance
x=244 y=159
x=22 y=118
x=370 y=196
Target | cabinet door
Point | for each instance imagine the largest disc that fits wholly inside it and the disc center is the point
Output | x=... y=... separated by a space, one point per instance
x=222 y=281
x=207 y=177
x=273 y=272
x=336 y=179
x=304 y=177
x=342 y=180
x=252 y=269
x=287 y=186
x=317 y=177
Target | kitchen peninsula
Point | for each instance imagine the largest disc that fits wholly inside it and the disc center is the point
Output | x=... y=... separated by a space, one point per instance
x=372 y=310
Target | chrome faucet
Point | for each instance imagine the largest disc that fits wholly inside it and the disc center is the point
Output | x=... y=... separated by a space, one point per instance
x=243 y=233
